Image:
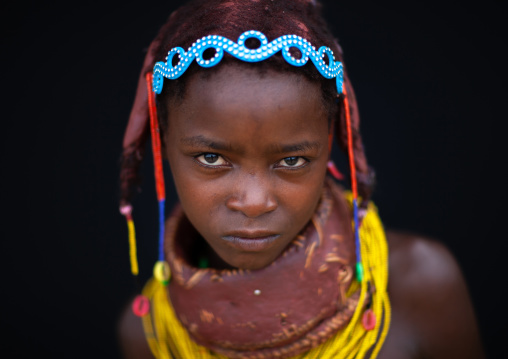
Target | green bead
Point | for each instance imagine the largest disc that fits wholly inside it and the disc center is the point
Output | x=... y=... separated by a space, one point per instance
x=203 y=262
x=359 y=271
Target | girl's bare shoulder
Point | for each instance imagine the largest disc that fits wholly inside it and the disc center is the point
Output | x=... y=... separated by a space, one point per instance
x=131 y=336
x=430 y=298
x=416 y=261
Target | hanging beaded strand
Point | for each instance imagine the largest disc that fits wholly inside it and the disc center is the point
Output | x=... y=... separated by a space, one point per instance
x=141 y=304
x=127 y=212
x=354 y=189
x=161 y=269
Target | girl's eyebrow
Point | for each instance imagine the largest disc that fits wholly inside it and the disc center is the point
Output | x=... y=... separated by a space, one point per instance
x=202 y=141
x=296 y=147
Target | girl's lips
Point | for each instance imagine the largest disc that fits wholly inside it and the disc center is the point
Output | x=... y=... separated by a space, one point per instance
x=249 y=243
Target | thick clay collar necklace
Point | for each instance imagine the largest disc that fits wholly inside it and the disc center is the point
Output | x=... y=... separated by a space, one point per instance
x=292 y=305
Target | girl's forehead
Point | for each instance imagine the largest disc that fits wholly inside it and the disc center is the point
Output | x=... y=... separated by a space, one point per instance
x=269 y=106
x=231 y=82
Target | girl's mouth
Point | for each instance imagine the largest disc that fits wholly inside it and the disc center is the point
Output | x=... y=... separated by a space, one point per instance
x=251 y=241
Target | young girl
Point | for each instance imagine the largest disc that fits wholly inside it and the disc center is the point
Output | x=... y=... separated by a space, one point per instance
x=265 y=256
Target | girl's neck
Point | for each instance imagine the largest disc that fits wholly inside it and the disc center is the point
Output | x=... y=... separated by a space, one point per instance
x=195 y=250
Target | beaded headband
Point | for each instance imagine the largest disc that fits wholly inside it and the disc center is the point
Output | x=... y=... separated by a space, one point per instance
x=267 y=49
x=331 y=70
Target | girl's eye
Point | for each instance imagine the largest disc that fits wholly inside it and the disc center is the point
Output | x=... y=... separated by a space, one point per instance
x=211 y=159
x=292 y=162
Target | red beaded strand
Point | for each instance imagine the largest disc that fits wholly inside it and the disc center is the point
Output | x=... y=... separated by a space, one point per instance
x=156 y=141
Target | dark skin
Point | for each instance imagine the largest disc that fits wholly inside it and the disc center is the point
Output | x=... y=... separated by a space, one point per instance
x=250 y=173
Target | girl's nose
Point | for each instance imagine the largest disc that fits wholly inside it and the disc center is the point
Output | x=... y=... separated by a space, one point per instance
x=253 y=196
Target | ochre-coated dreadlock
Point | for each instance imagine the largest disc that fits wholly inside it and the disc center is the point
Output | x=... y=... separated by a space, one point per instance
x=230 y=18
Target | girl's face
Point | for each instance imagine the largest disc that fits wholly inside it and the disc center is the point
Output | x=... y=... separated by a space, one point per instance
x=248 y=154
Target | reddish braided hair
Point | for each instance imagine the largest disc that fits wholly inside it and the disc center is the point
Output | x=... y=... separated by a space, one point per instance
x=230 y=18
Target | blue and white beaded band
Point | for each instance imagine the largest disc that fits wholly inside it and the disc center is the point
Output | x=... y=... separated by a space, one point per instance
x=220 y=44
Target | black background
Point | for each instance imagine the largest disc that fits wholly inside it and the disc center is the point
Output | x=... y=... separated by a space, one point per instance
x=430 y=78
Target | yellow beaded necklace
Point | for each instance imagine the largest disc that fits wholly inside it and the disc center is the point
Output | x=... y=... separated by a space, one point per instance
x=168 y=339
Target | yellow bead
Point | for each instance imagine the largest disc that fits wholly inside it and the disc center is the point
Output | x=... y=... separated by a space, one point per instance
x=162 y=272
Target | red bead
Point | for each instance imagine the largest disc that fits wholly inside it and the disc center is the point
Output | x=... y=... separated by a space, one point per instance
x=369 y=320
x=141 y=305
